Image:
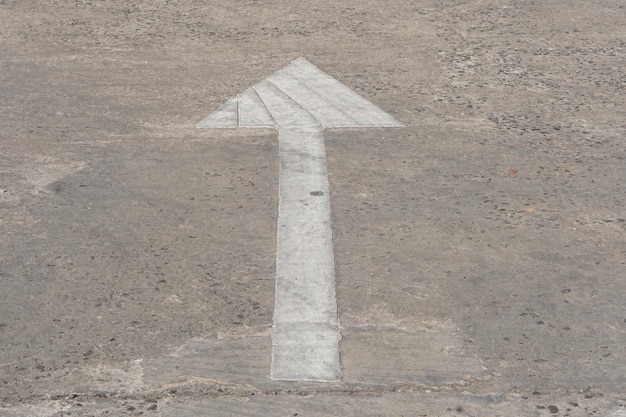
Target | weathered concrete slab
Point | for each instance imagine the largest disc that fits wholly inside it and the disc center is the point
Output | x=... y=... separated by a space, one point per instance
x=494 y=222
x=244 y=360
x=388 y=357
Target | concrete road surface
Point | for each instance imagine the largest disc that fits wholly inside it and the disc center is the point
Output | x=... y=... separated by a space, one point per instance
x=479 y=251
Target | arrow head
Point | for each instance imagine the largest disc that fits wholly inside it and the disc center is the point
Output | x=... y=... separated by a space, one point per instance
x=301 y=84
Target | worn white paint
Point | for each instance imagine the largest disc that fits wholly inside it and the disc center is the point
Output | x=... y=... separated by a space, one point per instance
x=301 y=101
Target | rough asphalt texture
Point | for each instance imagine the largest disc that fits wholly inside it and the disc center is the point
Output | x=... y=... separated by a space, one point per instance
x=480 y=252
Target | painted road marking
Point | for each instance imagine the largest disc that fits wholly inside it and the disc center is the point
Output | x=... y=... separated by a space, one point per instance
x=300 y=101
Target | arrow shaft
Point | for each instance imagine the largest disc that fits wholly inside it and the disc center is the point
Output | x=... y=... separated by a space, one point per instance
x=305 y=341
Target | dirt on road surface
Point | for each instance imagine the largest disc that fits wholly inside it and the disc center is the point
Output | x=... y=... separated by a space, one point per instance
x=480 y=251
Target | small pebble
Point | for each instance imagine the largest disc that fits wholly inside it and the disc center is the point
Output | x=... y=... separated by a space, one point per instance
x=553 y=409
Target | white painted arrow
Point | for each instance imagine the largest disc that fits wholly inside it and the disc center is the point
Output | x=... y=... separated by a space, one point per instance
x=301 y=101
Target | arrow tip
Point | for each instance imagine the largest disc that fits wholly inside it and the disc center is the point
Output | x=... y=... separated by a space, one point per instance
x=330 y=102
